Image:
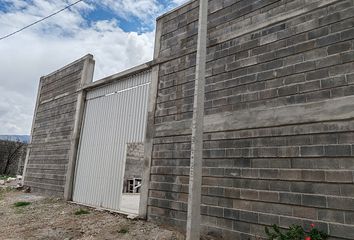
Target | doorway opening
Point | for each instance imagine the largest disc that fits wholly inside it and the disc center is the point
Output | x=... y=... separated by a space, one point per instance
x=134 y=163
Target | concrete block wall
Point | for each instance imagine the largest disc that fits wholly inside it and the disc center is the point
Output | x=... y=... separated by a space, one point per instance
x=134 y=162
x=278 y=142
x=177 y=44
x=53 y=128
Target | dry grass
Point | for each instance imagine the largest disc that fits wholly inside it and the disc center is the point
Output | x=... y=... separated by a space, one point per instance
x=50 y=218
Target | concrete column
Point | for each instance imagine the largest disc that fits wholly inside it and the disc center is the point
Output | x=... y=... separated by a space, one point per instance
x=86 y=77
x=195 y=177
x=149 y=132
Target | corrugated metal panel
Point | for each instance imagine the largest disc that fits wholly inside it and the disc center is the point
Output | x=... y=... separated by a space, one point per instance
x=115 y=115
x=129 y=82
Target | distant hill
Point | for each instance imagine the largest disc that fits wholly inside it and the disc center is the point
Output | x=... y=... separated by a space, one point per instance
x=21 y=138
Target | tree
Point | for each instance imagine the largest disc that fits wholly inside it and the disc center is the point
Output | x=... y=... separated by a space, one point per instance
x=10 y=156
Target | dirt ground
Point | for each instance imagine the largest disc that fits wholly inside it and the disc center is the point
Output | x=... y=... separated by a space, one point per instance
x=53 y=219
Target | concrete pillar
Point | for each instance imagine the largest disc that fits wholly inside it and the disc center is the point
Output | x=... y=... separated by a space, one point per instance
x=86 y=77
x=149 y=134
x=195 y=177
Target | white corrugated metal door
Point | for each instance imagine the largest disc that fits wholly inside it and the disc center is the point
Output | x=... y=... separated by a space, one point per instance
x=115 y=114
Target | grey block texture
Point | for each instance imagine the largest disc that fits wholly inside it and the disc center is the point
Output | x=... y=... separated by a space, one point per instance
x=278 y=128
x=52 y=131
x=134 y=162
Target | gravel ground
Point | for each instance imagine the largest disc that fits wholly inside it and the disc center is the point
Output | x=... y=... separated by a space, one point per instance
x=47 y=218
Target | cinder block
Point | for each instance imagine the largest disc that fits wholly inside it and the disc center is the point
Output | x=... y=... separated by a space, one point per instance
x=348 y=34
x=313 y=175
x=339 y=47
x=340 y=230
x=215 y=211
x=329 y=39
x=232 y=214
x=241 y=227
x=224 y=223
x=333 y=82
x=318 y=33
x=341 y=203
x=339 y=176
x=347 y=57
x=328 y=61
x=288 y=90
x=290 y=198
x=309 y=86
x=285 y=222
x=338 y=150
x=331 y=215
x=249 y=216
x=317 y=74
x=305 y=66
x=269 y=219
x=312 y=150
x=304 y=212
x=314 y=201
x=349 y=218
x=249 y=194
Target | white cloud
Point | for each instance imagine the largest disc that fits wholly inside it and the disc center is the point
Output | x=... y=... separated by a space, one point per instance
x=145 y=10
x=180 y=2
x=13 y=108
x=48 y=46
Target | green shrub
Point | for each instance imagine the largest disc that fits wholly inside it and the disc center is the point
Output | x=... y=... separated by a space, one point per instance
x=4 y=177
x=295 y=232
x=21 y=204
x=81 y=212
x=123 y=231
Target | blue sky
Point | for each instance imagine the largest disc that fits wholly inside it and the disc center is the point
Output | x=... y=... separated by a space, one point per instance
x=102 y=10
x=119 y=33
x=127 y=24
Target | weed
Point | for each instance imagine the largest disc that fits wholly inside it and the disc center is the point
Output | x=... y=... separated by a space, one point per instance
x=295 y=232
x=3 y=192
x=81 y=212
x=19 y=211
x=4 y=177
x=123 y=230
x=21 y=204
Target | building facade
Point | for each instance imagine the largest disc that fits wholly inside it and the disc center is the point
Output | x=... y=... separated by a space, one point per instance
x=278 y=126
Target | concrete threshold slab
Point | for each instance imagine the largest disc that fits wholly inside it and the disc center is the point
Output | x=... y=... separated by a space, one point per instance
x=122 y=212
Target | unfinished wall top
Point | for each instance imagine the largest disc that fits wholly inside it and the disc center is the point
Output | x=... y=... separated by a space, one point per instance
x=53 y=125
